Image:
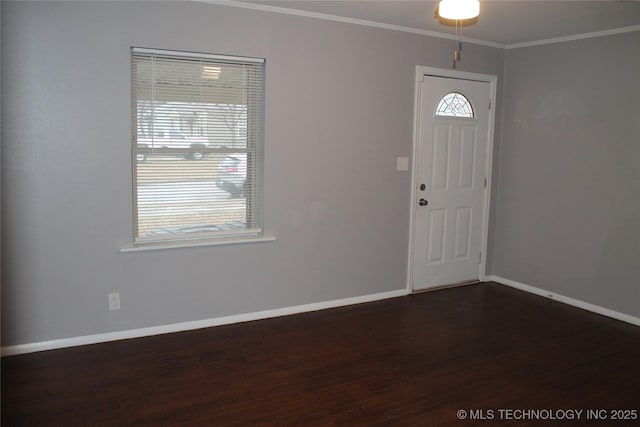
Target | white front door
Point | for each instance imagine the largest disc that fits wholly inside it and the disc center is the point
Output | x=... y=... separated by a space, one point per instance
x=450 y=178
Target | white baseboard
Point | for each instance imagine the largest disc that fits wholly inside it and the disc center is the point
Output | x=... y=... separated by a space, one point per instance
x=286 y=311
x=198 y=324
x=566 y=300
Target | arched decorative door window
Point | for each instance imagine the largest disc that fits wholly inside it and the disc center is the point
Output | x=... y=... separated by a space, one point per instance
x=454 y=104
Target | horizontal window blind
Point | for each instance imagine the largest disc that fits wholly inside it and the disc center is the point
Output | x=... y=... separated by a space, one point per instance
x=197 y=148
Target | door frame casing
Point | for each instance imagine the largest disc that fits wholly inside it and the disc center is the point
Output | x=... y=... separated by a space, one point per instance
x=421 y=72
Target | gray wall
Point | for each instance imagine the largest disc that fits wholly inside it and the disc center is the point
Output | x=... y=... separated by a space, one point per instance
x=567 y=215
x=339 y=110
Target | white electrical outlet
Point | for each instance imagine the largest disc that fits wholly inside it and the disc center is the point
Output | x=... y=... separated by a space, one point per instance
x=114 y=301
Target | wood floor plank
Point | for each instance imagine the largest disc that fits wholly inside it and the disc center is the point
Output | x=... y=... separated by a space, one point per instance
x=409 y=361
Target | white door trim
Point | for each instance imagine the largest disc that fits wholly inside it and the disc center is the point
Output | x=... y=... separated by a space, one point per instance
x=461 y=75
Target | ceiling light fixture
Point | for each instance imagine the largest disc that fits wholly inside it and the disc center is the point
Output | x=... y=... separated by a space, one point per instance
x=458 y=10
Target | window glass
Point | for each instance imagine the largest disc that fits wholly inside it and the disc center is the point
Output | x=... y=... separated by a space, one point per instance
x=197 y=145
x=454 y=104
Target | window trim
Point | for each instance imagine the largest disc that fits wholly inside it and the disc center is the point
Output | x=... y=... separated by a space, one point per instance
x=194 y=243
x=196 y=55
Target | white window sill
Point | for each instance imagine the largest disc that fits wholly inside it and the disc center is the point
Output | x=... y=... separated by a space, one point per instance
x=157 y=246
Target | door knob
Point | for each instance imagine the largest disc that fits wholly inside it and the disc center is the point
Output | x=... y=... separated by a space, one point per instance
x=423 y=202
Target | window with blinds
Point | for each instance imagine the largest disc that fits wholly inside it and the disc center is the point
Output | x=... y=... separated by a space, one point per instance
x=197 y=145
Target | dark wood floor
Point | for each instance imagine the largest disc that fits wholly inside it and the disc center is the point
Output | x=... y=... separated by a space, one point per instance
x=411 y=361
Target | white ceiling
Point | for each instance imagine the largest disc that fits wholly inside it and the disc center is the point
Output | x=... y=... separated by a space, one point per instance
x=501 y=22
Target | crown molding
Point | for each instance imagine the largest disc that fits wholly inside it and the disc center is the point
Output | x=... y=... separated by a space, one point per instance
x=603 y=33
x=363 y=22
x=335 y=18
